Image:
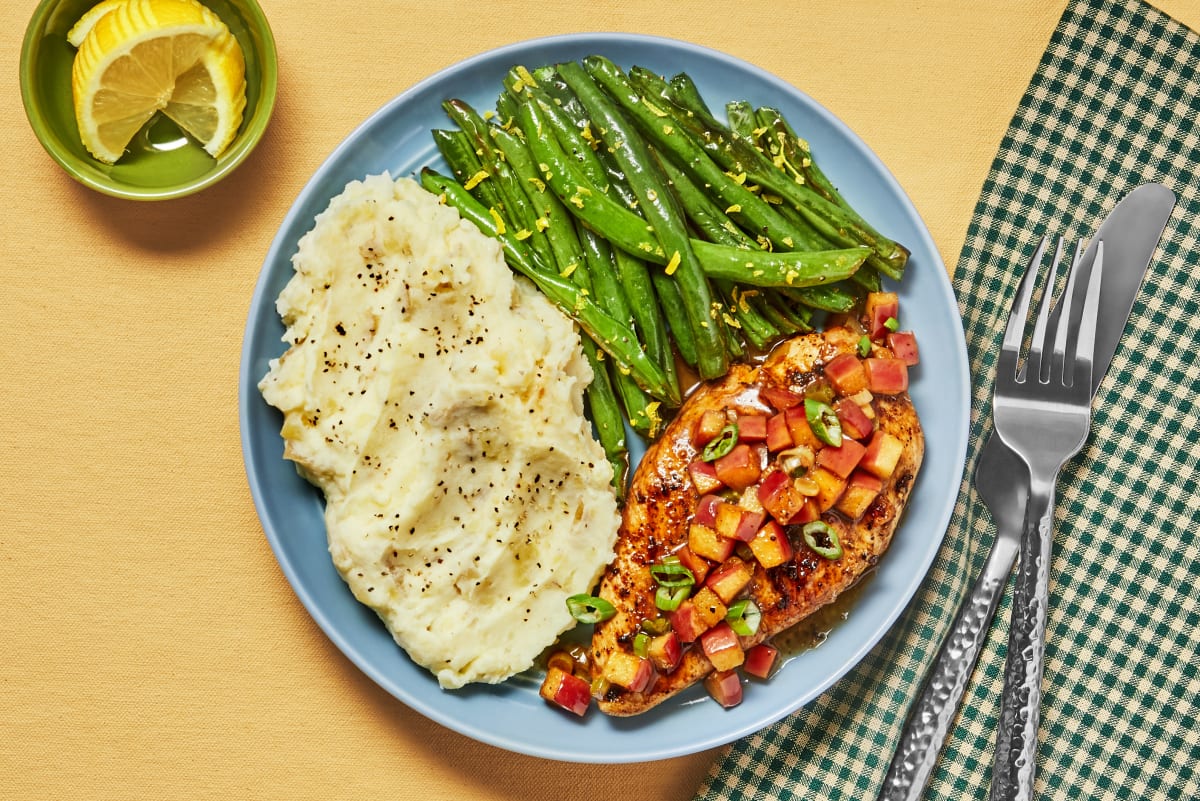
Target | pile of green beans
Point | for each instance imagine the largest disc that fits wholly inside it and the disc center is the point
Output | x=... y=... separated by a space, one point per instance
x=666 y=234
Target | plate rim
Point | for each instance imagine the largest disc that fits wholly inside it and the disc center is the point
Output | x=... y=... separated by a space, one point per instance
x=248 y=394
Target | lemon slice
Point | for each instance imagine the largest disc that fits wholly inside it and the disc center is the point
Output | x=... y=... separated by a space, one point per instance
x=143 y=56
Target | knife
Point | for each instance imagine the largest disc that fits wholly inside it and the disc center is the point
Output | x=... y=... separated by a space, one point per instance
x=1130 y=234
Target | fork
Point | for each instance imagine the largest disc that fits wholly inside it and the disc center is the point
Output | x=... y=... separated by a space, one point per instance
x=1041 y=409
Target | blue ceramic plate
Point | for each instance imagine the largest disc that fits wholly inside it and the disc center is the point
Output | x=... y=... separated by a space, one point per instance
x=512 y=715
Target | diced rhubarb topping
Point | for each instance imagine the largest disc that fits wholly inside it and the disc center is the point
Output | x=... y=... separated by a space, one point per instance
x=725 y=688
x=882 y=455
x=665 y=652
x=798 y=427
x=706 y=542
x=721 y=646
x=706 y=510
x=880 y=307
x=771 y=546
x=704 y=476
x=846 y=373
x=626 y=670
x=886 y=376
x=566 y=690
x=739 y=468
x=729 y=579
x=841 y=460
x=708 y=427
x=855 y=423
x=904 y=345
x=698 y=565
x=752 y=427
x=760 y=659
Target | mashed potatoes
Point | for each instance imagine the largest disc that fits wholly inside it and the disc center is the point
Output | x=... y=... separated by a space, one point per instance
x=437 y=402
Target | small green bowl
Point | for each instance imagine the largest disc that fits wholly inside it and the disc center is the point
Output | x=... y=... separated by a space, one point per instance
x=161 y=162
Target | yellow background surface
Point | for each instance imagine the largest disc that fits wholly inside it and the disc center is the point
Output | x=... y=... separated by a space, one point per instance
x=150 y=647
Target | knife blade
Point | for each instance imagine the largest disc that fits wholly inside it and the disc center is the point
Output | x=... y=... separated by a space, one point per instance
x=1130 y=233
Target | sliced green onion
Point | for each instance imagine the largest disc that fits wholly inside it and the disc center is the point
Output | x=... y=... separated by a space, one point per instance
x=823 y=421
x=831 y=548
x=743 y=617
x=864 y=346
x=672 y=574
x=641 y=644
x=656 y=626
x=589 y=609
x=891 y=324
x=722 y=444
x=668 y=599
x=819 y=391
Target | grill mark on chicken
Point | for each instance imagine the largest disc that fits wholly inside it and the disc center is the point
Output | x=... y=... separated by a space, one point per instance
x=662 y=500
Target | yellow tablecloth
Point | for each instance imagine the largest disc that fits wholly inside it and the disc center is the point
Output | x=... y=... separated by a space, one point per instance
x=150 y=647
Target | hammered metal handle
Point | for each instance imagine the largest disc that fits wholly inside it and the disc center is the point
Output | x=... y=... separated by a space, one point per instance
x=937 y=706
x=1020 y=706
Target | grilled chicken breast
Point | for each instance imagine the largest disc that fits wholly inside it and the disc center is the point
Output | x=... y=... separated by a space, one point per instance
x=663 y=500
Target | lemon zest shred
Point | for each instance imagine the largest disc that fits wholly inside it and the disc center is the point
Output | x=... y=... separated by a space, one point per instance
x=496 y=218
x=655 y=110
x=734 y=209
x=524 y=75
x=653 y=417
x=673 y=264
x=475 y=180
x=523 y=234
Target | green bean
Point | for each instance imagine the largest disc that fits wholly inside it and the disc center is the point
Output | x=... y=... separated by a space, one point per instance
x=553 y=221
x=754 y=326
x=707 y=216
x=631 y=271
x=655 y=202
x=787 y=269
x=835 y=223
x=671 y=302
x=609 y=294
x=673 y=140
x=834 y=298
x=628 y=231
x=605 y=412
x=741 y=118
x=460 y=155
x=515 y=203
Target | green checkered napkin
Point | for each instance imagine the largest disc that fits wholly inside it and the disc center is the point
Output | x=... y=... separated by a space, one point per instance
x=1114 y=103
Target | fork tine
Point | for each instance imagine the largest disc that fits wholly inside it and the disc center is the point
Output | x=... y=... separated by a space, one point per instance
x=1063 y=313
x=1037 y=344
x=1085 y=342
x=1014 y=332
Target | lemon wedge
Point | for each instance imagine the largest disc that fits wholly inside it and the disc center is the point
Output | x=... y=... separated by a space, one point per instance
x=139 y=57
x=88 y=21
